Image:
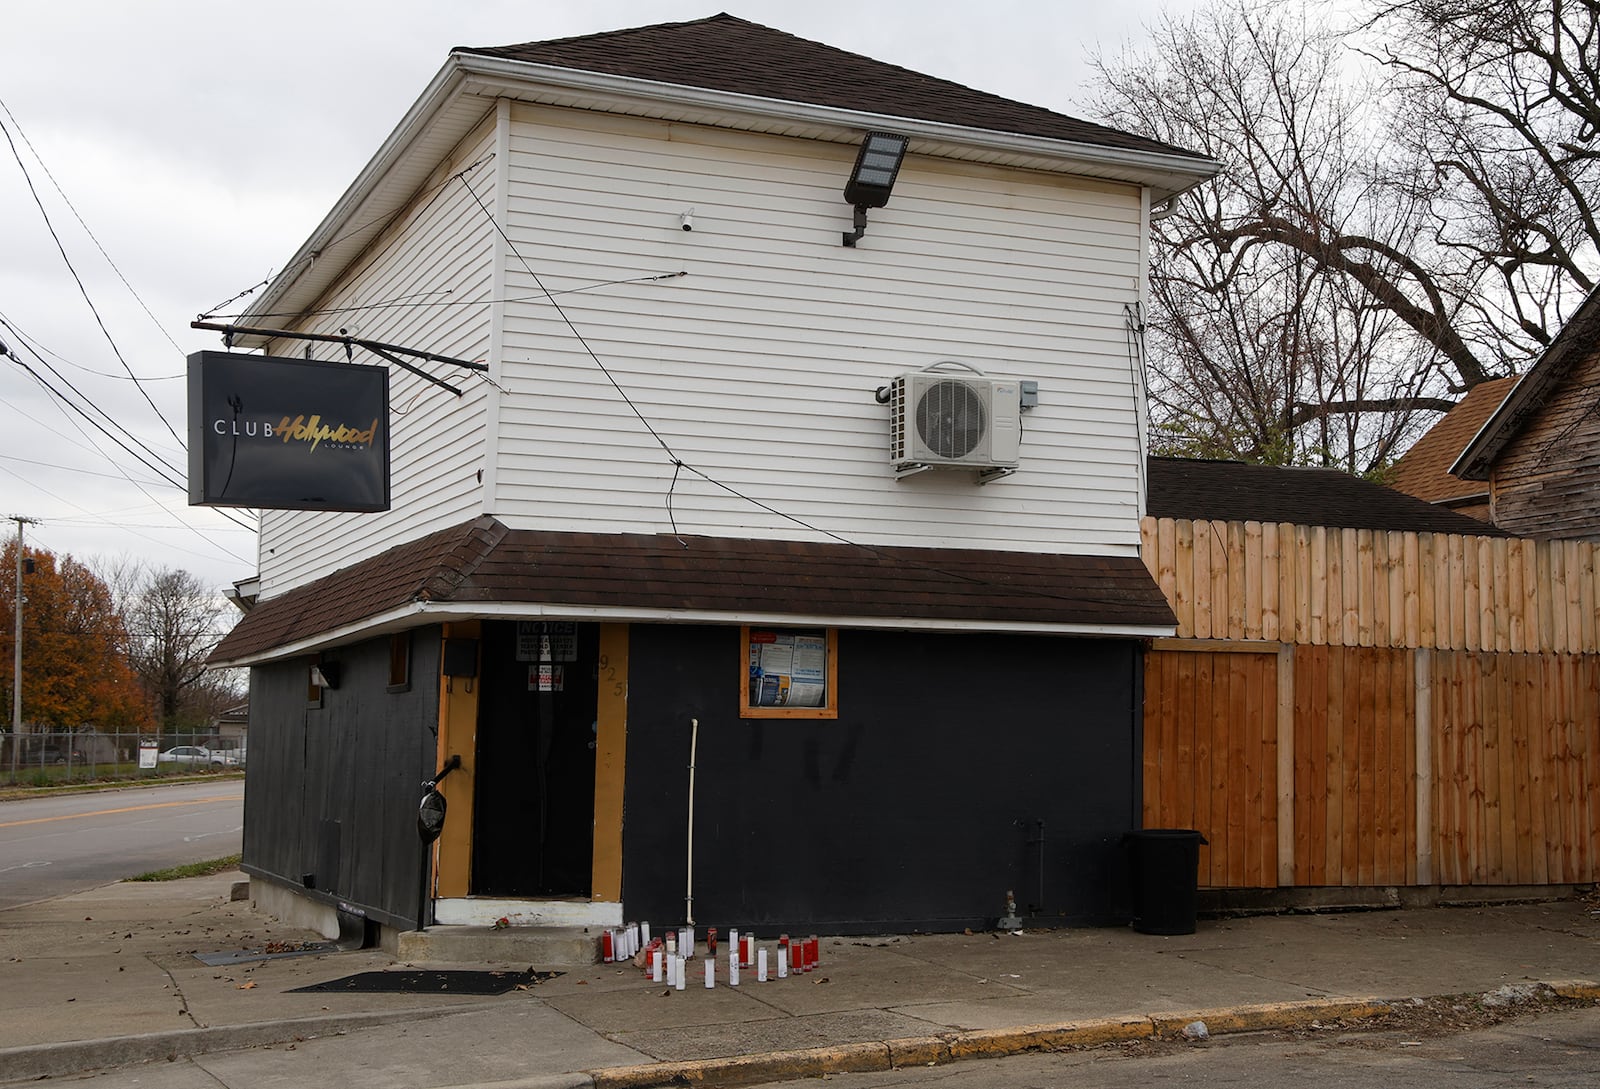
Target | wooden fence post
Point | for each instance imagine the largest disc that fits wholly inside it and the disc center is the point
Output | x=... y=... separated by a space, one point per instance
x=1286 y=764
x=1423 y=659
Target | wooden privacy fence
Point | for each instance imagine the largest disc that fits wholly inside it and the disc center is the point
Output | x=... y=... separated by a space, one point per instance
x=1438 y=744
x=1362 y=587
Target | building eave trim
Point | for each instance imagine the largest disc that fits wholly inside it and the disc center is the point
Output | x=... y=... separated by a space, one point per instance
x=504 y=76
x=472 y=75
x=424 y=613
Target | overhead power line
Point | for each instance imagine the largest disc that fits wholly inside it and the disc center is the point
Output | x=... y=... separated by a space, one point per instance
x=82 y=290
x=131 y=445
x=73 y=208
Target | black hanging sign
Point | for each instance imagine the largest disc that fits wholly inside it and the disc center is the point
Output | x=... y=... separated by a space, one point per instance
x=287 y=434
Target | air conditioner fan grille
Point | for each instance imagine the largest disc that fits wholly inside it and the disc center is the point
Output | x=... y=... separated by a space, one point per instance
x=950 y=416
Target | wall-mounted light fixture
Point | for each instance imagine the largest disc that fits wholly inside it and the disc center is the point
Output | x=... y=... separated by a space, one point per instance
x=460 y=660
x=877 y=165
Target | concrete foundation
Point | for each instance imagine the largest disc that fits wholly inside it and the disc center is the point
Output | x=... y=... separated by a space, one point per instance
x=552 y=947
x=1216 y=903
x=289 y=907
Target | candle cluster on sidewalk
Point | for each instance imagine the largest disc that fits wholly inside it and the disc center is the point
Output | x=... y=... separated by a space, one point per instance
x=667 y=958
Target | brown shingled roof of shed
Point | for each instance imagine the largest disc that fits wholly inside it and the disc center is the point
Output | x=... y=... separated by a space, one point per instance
x=1232 y=491
x=725 y=53
x=651 y=574
x=1424 y=470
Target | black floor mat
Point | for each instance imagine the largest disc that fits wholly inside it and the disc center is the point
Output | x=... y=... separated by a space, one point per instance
x=413 y=981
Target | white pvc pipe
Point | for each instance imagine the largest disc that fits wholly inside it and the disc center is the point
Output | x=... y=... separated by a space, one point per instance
x=688 y=888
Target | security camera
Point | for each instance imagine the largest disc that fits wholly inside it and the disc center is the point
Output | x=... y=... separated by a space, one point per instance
x=687 y=219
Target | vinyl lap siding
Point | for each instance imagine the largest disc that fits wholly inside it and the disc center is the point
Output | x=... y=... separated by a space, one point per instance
x=758 y=366
x=426 y=284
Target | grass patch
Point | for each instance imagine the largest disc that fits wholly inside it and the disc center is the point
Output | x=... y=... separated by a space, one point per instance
x=193 y=869
x=54 y=780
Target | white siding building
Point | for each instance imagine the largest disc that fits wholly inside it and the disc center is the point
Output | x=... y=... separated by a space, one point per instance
x=682 y=436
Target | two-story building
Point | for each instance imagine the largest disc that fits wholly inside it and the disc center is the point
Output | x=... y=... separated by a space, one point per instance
x=781 y=567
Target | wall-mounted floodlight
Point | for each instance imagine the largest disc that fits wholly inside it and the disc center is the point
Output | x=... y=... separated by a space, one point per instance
x=877 y=164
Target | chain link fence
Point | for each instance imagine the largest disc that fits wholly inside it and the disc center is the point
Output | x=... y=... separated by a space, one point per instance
x=54 y=757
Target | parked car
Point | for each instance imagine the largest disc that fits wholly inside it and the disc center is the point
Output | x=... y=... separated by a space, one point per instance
x=51 y=750
x=55 y=754
x=187 y=754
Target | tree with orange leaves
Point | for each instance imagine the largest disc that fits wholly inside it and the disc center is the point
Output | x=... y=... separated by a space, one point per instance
x=74 y=647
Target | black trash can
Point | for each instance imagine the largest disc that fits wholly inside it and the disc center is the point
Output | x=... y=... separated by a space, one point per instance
x=1165 y=864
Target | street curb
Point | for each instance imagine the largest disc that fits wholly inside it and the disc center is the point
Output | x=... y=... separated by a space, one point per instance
x=941 y=1048
x=33 y=1061
x=867 y=1058
x=1271 y=1015
x=1057 y=1036
x=1584 y=989
x=936 y=1049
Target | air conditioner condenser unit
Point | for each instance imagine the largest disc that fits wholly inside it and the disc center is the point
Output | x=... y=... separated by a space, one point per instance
x=940 y=419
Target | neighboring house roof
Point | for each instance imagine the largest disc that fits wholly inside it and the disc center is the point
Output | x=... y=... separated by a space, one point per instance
x=725 y=53
x=1424 y=470
x=483 y=569
x=1578 y=340
x=1231 y=491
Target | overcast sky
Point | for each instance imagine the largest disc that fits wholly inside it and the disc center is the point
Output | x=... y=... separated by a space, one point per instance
x=199 y=143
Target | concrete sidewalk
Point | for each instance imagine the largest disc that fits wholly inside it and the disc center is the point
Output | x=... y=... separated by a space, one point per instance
x=108 y=978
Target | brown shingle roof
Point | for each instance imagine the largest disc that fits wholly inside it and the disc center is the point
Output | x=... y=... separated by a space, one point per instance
x=648 y=574
x=725 y=53
x=1231 y=491
x=1424 y=471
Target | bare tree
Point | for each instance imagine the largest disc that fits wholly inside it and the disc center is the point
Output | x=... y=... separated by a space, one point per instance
x=1330 y=288
x=1497 y=108
x=174 y=620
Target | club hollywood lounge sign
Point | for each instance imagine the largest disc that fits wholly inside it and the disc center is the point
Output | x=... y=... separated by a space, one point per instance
x=287 y=434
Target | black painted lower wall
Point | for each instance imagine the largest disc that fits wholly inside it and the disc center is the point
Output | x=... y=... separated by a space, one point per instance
x=331 y=792
x=960 y=767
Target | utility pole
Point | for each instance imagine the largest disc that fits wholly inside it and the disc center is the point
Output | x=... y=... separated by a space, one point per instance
x=16 y=666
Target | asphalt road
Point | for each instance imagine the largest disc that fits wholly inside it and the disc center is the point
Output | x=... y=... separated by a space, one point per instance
x=69 y=842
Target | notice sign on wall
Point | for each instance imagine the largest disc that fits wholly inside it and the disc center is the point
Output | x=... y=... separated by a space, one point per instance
x=788 y=669
x=287 y=434
x=547 y=641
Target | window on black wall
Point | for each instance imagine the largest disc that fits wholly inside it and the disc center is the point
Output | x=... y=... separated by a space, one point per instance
x=400 y=662
x=789 y=672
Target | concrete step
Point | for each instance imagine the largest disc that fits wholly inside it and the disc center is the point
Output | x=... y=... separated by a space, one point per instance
x=548 y=947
